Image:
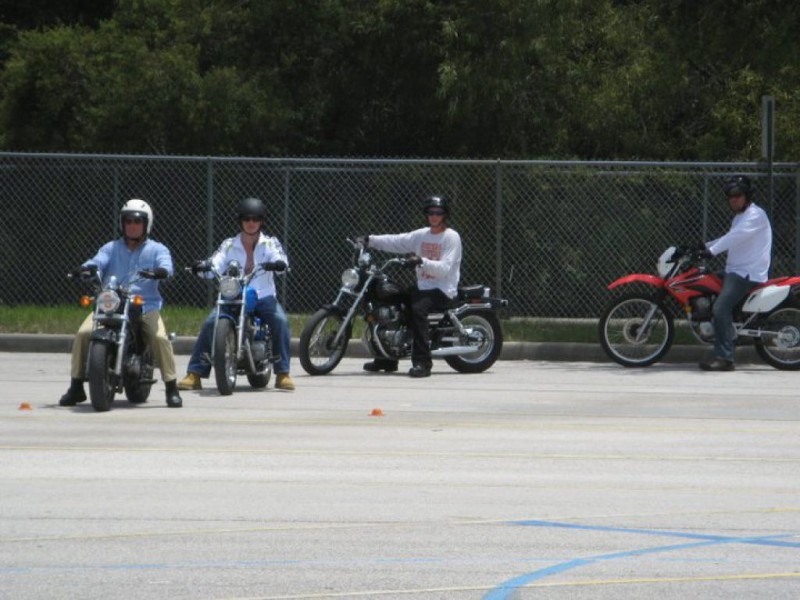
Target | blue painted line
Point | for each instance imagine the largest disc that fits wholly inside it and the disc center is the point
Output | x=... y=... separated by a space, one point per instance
x=504 y=590
x=760 y=540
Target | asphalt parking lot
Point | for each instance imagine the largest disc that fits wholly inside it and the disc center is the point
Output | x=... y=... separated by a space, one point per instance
x=535 y=479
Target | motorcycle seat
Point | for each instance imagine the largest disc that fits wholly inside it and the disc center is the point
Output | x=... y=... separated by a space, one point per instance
x=470 y=292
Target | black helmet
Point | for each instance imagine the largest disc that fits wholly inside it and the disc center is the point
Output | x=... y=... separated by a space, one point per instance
x=436 y=202
x=251 y=207
x=738 y=184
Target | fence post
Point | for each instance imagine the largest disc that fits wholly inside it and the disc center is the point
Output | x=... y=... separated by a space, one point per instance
x=796 y=222
x=287 y=188
x=498 y=227
x=210 y=219
x=705 y=208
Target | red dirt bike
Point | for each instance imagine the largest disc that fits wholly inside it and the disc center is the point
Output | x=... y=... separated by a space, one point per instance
x=637 y=327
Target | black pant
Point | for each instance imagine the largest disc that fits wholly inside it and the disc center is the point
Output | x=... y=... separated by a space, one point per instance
x=423 y=302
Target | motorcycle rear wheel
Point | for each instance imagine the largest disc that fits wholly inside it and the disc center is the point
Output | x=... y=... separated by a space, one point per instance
x=136 y=391
x=225 y=357
x=486 y=330
x=318 y=355
x=782 y=351
x=101 y=375
x=259 y=380
x=621 y=335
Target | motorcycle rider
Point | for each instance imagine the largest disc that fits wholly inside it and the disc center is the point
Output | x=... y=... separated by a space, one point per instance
x=250 y=247
x=436 y=252
x=124 y=258
x=749 y=246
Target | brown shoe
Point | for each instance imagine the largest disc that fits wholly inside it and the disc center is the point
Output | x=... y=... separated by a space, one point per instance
x=190 y=382
x=717 y=364
x=283 y=381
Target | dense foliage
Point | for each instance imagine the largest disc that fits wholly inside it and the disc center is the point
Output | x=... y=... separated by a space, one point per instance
x=593 y=79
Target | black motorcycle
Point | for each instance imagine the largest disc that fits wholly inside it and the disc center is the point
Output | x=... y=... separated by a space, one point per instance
x=467 y=334
x=242 y=343
x=119 y=356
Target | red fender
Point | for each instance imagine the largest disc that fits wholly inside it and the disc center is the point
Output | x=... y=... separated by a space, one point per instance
x=788 y=280
x=656 y=282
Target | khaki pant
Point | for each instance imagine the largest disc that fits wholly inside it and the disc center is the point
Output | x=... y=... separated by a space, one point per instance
x=155 y=333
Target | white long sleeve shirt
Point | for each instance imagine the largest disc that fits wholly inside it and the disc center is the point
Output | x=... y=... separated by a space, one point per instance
x=748 y=244
x=440 y=253
x=268 y=249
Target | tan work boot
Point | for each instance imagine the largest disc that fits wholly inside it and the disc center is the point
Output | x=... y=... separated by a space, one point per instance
x=283 y=381
x=190 y=382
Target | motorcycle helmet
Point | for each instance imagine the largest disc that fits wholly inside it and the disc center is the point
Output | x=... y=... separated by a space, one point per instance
x=436 y=202
x=739 y=184
x=251 y=207
x=138 y=209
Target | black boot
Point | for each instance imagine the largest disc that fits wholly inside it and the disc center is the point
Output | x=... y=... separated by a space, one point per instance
x=74 y=394
x=174 y=399
x=420 y=370
x=381 y=364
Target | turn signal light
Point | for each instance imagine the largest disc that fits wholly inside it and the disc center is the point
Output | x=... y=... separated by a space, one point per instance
x=137 y=300
x=86 y=301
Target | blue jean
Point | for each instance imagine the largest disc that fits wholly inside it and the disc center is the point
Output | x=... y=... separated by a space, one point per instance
x=268 y=310
x=734 y=288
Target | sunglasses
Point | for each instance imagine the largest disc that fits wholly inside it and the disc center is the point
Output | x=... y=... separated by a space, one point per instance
x=435 y=211
x=251 y=219
x=136 y=220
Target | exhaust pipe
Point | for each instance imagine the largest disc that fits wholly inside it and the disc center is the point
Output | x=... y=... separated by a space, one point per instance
x=453 y=350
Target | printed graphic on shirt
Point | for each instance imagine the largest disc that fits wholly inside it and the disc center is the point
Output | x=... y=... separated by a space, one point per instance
x=431 y=251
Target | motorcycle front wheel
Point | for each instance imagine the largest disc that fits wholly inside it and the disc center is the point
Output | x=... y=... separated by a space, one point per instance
x=318 y=353
x=101 y=375
x=225 y=357
x=636 y=331
x=781 y=348
x=486 y=336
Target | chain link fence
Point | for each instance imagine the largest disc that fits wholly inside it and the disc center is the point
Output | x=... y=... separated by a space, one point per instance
x=547 y=235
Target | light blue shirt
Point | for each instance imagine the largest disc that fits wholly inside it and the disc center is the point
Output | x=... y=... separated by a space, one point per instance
x=114 y=258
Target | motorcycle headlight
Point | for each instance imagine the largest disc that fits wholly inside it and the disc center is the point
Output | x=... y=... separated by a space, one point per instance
x=350 y=278
x=229 y=288
x=108 y=301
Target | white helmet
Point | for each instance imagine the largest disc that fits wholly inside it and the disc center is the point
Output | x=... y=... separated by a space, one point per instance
x=137 y=208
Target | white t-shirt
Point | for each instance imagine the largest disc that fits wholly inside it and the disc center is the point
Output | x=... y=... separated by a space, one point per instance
x=440 y=253
x=748 y=243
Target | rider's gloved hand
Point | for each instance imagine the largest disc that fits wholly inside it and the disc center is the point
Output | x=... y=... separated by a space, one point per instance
x=700 y=251
x=157 y=273
x=363 y=240
x=413 y=261
x=201 y=266
x=85 y=271
x=277 y=266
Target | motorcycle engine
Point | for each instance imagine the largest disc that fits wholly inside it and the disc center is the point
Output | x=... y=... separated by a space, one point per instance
x=701 y=308
x=258 y=348
x=385 y=315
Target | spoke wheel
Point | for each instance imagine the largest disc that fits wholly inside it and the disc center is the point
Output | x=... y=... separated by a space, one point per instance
x=636 y=331
x=485 y=336
x=318 y=353
x=781 y=348
x=225 y=356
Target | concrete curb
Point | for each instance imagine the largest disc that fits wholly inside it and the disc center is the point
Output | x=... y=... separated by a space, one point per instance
x=62 y=343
